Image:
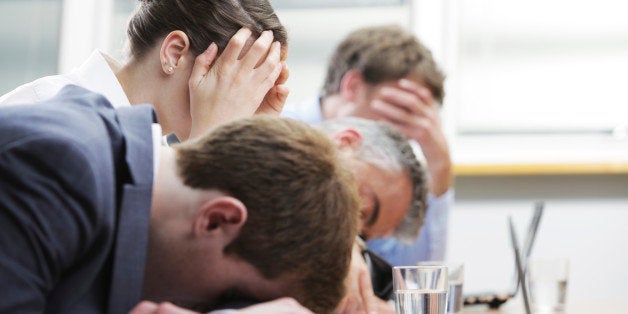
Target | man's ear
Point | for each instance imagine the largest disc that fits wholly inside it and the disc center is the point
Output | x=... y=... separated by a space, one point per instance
x=174 y=46
x=347 y=139
x=222 y=215
x=350 y=85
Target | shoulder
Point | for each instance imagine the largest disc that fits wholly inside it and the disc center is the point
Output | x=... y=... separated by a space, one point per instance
x=72 y=119
x=39 y=90
x=308 y=111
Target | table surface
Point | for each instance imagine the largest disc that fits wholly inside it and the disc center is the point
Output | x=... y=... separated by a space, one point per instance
x=515 y=306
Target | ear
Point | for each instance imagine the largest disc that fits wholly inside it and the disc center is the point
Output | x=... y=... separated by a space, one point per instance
x=350 y=85
x=174 y=46
x=347 y=139
x=222 y=215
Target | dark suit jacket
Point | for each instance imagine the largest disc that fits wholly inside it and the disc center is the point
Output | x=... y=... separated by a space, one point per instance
x=75 y=190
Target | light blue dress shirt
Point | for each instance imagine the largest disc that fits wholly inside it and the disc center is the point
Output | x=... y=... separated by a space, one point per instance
x=432 y=241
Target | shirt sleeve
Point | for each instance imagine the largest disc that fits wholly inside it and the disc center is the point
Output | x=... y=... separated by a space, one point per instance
x=431 y=244
x=45 y=191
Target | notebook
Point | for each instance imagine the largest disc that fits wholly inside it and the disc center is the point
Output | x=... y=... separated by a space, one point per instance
x=496 y=299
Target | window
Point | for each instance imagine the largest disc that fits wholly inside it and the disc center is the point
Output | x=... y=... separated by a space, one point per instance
x=540 y=66
x=29 y=50
x=316 y=27
x=532 y=82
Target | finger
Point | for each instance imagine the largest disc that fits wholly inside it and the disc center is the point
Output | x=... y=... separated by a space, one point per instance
x=366 y=290
x=144 y=307
x=275 y=101
x=402 y=98
x=271 y=78
x=258 y=51
x=202 y=64
x=419 y=130
x=282 y=95
x=235 y=45
x=391 y=112
x=271 y=64
x=285 y=73
x=350 y=306
x=423 y=92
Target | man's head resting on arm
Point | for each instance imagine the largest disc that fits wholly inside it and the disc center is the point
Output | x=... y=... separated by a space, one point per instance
x=391 y=181
x=269 y=211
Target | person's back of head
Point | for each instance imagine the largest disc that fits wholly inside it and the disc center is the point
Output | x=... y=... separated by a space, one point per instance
x=382 y=54
x=384 y=147
x=204 y=22
x=301 y=201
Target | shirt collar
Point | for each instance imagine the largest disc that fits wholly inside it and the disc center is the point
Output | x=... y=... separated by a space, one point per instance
x=97 y=75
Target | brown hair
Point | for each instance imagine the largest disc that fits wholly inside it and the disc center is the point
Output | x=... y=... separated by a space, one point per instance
x=302 y=203
x=203 y=21
x=382 y=54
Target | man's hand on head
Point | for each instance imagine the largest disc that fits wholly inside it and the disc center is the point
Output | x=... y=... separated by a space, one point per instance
x=238 y=84
x=359 y=297
x=411 y=108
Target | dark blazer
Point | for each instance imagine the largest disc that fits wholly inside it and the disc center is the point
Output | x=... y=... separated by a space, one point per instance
x=75 y=191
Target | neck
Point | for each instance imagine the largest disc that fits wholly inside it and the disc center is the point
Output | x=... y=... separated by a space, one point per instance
x=142 y=85
x=178 y=266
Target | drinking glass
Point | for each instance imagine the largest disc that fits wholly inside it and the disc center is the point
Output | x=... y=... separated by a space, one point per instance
x=547 y=279
x=420 y=289
x=456 y=280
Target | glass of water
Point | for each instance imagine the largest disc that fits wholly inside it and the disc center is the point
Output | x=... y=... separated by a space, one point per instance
x=547 y=279
x=456 y=281
x=420 y=289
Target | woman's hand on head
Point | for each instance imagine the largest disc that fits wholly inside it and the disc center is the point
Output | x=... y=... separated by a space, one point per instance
x=239 y=83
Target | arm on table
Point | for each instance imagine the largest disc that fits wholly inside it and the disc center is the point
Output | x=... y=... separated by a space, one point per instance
x=47 y=218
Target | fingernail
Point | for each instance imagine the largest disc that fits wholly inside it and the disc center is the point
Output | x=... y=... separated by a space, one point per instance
x=211 y=47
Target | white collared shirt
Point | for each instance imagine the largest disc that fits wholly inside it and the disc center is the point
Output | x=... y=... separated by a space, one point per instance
x=94 y=74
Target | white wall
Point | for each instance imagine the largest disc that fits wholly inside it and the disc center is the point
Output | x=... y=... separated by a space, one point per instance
x=585 y=220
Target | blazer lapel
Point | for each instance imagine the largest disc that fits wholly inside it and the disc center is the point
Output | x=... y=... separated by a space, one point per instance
x=129 y=255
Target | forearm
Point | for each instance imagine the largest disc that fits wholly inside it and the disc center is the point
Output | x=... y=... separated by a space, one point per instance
x=440 y=171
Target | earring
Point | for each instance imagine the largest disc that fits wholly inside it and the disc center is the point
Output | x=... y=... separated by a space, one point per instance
x=170 y=69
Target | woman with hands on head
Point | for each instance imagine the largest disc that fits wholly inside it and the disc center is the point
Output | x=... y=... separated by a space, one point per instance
x=174 y=65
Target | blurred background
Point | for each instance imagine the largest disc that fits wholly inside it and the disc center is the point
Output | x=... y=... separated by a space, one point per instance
x=536 y=109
